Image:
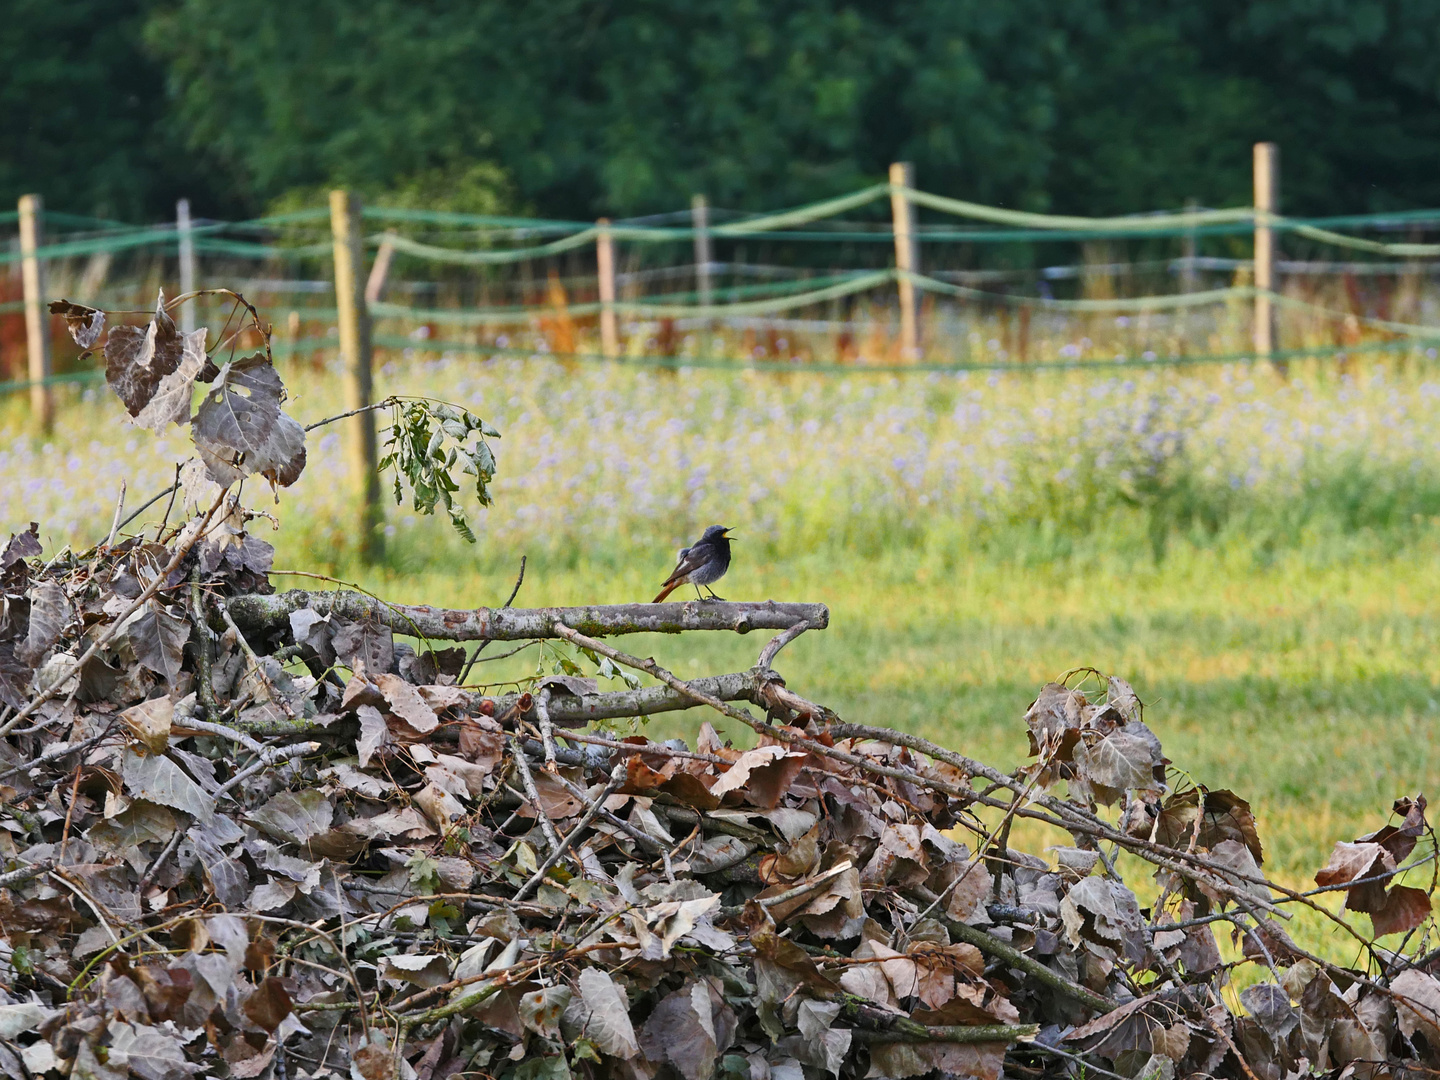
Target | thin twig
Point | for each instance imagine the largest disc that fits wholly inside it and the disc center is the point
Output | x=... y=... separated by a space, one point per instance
x=640 y=836
x=259 y=669
x=204 y=650
x=25 y=873
x=617 y=777
x=165 y=517
x=160 y=860
x=474 y=656
x=149 y=503
x=264 y=760
x=1085 y=1065
x=547 y=729
x=54 y=753
x=115 y=521
x=547 y=827
x=805 y=888
x=988 y=943
x=389 y=401
x=223 y=731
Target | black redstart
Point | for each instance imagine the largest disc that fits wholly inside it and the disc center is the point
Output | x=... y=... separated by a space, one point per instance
x=703 y=563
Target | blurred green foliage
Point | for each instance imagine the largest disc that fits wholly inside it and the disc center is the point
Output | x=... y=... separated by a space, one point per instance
x=575 y=108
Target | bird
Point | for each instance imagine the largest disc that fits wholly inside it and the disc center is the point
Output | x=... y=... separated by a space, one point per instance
x=703 y=563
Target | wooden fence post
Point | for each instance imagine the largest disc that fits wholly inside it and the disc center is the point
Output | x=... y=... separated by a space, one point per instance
x=187 y=263
x=37 y=319
x=605 y=267
x=907 y=261
x=1189 y=276
x=355 y=354
x=700 y=222
x=1267 y=202
x=380 y=269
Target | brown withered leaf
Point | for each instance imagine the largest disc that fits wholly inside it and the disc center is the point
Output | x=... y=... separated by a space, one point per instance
x=480 y=744
x=50 y=613
x=607 y=1014
x=689 y=789
x=364 y=643
x=1419 y=1006
x=166 y=989
x=84 y=323
x=169 y=403
x=1278 y=947
x=1227 y=817
x=240 y=429
x=639 y=777
x=1374 y=856
x=150 y=723
x=738 y=775
x=1054 y=720
x=1124 y=700
x=541 y=1009
x=1270 y=1006
x=294 y=816
x=137 y=358
x=149 y=1052
x=1129 y=1028
x=1351 y=861
x=423 y=970
x=22 y=545
x=406 y=703
x=1403 y=910
x=268 y=1005
x=1399 y=840
x=1124 y=759
x=769 y=782
x=158 y=639
x=14 y=677
x=982 y=1061
x=374 y=1061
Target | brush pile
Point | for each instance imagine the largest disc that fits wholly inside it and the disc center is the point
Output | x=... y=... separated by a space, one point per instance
x=256 y=835
x=253 y=834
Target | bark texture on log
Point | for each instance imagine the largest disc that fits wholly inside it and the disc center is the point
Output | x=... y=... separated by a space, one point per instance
x=257 y=614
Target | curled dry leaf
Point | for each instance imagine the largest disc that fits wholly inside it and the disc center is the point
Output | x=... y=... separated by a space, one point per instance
x=84 y=323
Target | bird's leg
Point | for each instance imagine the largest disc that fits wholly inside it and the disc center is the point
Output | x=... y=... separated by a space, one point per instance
x=712 y=594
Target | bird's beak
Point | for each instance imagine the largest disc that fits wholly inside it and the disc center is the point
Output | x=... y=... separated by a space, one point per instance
x=726 y=532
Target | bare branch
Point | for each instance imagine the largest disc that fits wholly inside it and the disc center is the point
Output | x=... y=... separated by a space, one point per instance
x=778 y=642
x=271 y=614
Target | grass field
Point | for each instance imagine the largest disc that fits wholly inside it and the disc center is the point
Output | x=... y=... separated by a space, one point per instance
x=1258 y=557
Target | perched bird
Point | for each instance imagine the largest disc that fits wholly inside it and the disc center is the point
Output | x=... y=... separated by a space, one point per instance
x=704 y=563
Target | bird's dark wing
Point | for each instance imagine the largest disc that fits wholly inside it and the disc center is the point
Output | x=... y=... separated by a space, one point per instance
x=691 y=559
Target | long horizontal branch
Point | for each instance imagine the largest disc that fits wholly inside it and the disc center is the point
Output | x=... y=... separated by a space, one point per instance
x=257 y=614
x=565 y=709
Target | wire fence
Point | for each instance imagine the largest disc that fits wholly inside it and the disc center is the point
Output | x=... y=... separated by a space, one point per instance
x=821 y=287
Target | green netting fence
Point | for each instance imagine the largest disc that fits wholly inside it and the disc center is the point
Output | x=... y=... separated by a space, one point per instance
x=815 y=287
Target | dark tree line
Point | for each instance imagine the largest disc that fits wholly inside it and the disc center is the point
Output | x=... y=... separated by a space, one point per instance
x=573 y=108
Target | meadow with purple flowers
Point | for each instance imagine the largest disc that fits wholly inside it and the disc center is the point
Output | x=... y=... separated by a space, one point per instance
x=1257 y=554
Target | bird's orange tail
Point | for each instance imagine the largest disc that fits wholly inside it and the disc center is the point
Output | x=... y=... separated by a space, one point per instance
x=666 y=591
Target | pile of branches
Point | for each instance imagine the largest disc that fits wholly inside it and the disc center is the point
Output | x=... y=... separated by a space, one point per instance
x=253 y=834
x=256 y=834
